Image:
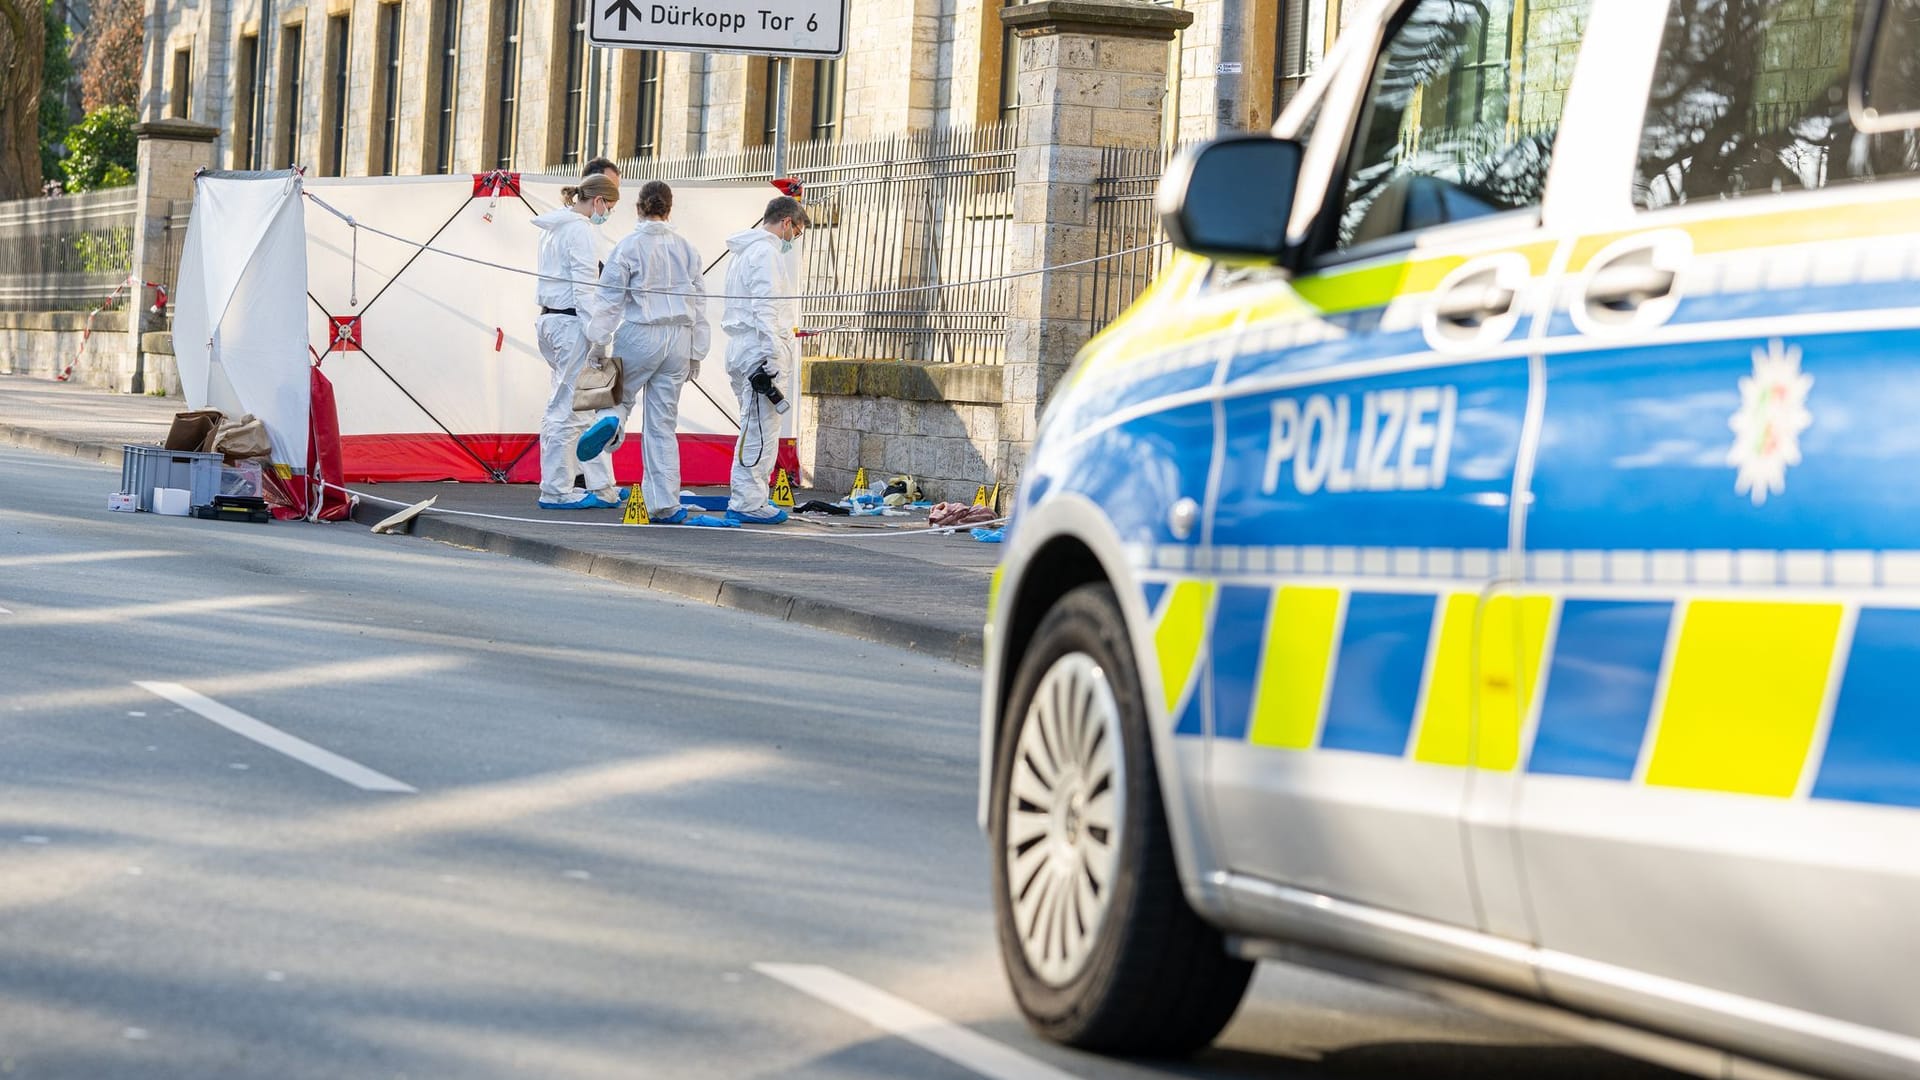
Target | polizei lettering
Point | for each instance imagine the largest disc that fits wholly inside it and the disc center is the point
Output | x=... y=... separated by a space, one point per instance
x=669 y=15
x=1390 y=440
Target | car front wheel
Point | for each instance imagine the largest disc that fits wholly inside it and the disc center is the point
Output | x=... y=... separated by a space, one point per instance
x=1102 y=949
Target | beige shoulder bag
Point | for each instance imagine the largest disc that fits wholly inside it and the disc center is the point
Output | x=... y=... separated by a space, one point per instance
x=598 y=386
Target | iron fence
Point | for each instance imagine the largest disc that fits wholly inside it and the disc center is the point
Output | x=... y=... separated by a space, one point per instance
x=892 y=214
x=179 y=215
x=1123 y=220
x=66 y=253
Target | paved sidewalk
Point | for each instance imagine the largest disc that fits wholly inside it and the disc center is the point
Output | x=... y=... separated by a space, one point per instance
x=873 y=578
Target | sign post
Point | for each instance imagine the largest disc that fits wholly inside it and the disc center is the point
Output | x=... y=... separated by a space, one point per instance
x=778 y=29
x=782 y=107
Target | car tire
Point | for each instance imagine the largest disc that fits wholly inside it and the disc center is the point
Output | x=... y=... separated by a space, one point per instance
x=1102 y=949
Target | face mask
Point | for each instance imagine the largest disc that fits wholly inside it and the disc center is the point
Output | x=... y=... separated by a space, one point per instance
x=599 y=219
x=786 y=246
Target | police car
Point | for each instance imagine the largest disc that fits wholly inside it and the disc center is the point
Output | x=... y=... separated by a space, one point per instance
x=1488 y=559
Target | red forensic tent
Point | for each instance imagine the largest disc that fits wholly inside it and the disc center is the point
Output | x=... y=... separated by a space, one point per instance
x=435 y=368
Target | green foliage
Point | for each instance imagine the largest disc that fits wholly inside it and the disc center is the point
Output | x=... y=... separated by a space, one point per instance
x=101 y=150
x=110 y=251
x=55 y=75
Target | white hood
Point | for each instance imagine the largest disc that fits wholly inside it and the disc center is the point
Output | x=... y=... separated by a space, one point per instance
x=745 y=240
x=553 y=219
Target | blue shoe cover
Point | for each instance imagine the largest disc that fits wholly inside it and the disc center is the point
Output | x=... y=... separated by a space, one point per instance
x=678 y=517
x=588 y=503
x=595 y=439
x=706 y=521
x=774 y=517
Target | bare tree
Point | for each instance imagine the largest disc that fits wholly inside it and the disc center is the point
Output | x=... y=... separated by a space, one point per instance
x=23 y=44
x=115 y=45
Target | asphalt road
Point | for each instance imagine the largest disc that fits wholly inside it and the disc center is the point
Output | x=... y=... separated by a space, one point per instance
x=298 y=801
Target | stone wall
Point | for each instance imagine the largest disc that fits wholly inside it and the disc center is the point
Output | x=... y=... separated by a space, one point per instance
x=42 y=344
x=1550 y=45
x=1808 y=48
x=893 y=51
x=939 y=423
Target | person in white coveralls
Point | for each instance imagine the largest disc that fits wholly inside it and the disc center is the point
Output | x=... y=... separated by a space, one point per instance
x=651 y=289
x=568 y=302
x=759 y=316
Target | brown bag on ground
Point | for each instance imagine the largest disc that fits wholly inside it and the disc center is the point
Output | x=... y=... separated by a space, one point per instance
x=240 y=438
x=598 y=386
x=193 y=430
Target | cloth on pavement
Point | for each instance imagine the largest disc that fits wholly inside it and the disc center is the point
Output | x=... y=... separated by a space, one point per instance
x=958 y=513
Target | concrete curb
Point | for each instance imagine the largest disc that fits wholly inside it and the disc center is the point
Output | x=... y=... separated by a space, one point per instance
x=960 y=646
x=28 y=439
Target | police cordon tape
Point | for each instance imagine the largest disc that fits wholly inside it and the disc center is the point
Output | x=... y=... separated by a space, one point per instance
x=947 y=530
x=902 y=290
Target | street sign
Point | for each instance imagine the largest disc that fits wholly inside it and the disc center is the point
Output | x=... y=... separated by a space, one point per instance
x=815 y=29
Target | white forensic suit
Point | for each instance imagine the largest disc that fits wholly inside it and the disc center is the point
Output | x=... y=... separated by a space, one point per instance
x=568 y=270
x=759 y=330
x=652 y=289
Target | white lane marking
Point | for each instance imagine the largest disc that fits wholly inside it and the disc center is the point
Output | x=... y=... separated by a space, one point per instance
x=304 y=677
x=125 y=612
x=274 y=739
x=6 y=611
x=8 y=561
x=912 y=1023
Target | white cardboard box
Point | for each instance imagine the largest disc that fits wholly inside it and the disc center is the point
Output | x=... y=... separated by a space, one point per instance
x=125 y=502
x=174 y=502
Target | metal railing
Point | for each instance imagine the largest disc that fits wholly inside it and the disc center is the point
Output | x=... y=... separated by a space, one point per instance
x=179 y=215
x=66 y=253
x=1123 y=220
x=924 y=209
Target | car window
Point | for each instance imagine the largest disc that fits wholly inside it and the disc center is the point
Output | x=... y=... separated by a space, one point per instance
x=1461 y=115
x=1750 y=97
x=1892 y=78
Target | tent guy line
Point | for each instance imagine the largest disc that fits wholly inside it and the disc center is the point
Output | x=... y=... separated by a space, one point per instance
x=899 y=291
x=944 y=530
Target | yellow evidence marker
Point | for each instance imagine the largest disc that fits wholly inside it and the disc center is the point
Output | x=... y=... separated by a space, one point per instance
x=860 y=480
x=980 y=495
x=782 y=489
x=636 y=507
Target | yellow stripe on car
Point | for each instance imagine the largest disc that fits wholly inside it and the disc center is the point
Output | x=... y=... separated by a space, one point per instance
x=1743 y=696
x=1295 y=668
x=1178 y=635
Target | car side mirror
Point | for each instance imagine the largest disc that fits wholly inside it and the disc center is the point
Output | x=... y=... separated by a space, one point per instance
x=1230 y=199
x=1883 y=90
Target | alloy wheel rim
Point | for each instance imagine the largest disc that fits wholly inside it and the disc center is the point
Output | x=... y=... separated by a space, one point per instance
x=1064 y=810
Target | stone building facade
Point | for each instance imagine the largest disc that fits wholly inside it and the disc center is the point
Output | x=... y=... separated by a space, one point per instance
x=358 y=87
x=407 y=87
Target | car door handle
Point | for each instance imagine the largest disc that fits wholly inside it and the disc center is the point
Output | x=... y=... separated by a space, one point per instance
x=1474 y=302
x=1625 y=286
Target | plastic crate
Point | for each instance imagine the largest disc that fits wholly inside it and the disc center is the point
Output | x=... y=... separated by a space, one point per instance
x=143 y=468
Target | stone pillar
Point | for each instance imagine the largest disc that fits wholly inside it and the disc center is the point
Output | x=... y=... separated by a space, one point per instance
x=170 y=152
x=1093 y=74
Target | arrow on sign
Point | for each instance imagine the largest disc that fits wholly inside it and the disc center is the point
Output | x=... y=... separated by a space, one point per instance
x=624 y=8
